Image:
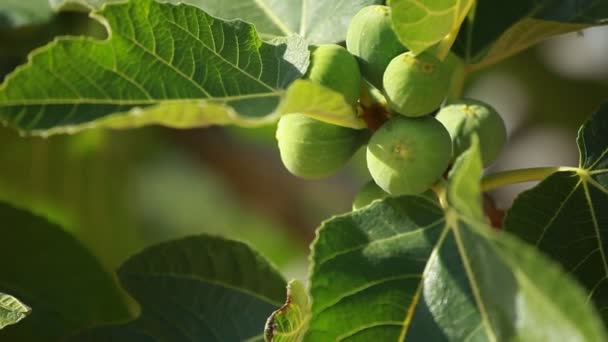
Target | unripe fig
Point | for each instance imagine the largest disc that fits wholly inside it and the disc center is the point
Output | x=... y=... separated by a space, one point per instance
x=334 y=67
x=407 y=156
x=368 y=193
x=313 y=149
x=371 y=38
x=465 y=117
x=416 y=85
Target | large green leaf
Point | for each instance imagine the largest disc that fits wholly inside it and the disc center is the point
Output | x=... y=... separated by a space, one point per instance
x=161 y=60
x=410 y=268
x=319 y=21
x=566 y=215
x=500 y=29
x=420 y=24
x=11 y=310
x=64 y=284
x=197 y=289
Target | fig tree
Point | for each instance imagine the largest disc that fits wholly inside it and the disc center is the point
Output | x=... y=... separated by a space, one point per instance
x=334 y=67
x=406 y=156
x=368 y=193
x=465 y=117
x=313 y=149
x=415 y=85
x=372 y=40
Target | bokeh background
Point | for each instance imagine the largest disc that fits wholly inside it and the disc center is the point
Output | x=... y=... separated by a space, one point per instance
x=119 y=191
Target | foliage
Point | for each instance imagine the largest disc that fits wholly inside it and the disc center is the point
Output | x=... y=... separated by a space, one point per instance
x=423 y=266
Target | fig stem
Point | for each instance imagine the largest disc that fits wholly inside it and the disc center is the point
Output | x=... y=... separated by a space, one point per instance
x=503 y=178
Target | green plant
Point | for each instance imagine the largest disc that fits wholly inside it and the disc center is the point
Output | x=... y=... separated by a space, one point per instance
x=423 y=264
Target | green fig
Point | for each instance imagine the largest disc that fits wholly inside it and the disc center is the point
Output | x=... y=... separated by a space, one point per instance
x=313 y=149
x=369 y=193
x=416 y=85
x=334 y=67
x=372 y=40
x=465 y=117
x=406 y=156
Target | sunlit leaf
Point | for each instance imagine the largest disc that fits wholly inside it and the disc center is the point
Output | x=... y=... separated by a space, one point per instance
x=319 y=21
x=566 y=215
x=160 y=57
x=410 y=269
x=321 y=103
x=11 y=310
x=289 y=323
x=420 y=24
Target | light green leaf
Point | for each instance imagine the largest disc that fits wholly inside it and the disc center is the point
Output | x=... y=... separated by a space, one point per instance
x=320 y=103
x=199 y=288
x=51 y=271
x=566 y=215
x=289 y=323
x=18 y=13
x=319 y=21
x=425 y=272
x=464 y=192
x=11 y=310
x=420 y=24
x=160 y=57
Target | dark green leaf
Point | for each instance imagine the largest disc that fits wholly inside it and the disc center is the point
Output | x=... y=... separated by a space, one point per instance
x=566 y=215
x=197 y=289
x=11 y=310
x=500 y=29
x=409 y=268
x=64 y=284
x=174 y=65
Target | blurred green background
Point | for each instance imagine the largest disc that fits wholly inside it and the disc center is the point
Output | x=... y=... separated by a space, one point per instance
x=119 y=191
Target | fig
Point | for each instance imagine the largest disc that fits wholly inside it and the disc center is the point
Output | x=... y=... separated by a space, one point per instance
x=406 y=156
x=372 y=40
x=465 y=117
x=369 y=192
x=313 y=149
x=416 y=85
x=334 y=67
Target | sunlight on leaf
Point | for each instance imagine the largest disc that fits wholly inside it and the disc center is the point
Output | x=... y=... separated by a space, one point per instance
x=427 y=272
x=160 y=56
x=11 y=310
x=566 y=215
x=420 y=24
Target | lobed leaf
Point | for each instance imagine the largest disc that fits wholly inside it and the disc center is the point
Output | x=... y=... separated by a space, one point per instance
x=319 y=21
x=11 y=310
x=566 y=215
x=160 y=60
x=410 y=268
x=199 y=288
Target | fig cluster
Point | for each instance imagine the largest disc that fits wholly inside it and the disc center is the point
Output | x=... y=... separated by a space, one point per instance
x=413 y=132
